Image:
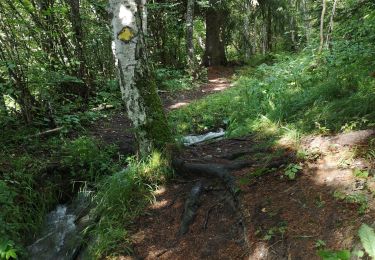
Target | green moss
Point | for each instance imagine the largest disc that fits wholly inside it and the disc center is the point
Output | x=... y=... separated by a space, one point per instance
x=156 y=127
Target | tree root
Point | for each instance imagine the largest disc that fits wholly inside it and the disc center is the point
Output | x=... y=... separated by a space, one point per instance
x=191 y=207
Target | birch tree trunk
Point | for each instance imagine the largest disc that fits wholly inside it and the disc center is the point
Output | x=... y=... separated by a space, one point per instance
x=330 y=29
x=136 y=75
x=189 y=37
x=324 y=5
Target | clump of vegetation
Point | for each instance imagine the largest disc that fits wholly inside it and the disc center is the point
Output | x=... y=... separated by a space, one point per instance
x=291 y=171
x=367 y=237
x=173 y=80
x=120 y=198
x=302 y=92
x=87 y=159
x=32 y=183
x=357 y=198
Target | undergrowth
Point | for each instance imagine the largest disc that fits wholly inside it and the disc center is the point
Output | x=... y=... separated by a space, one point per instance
x=306 y=92
x=34 y=180
x=120 y=198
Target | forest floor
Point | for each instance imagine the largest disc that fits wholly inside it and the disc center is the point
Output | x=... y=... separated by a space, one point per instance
x=272 y=217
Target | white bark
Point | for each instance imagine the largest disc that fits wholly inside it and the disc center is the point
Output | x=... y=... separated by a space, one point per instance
x=124 y=15
x=137 y=82
x=324 y=5
x=189 y=36
x=331 y=23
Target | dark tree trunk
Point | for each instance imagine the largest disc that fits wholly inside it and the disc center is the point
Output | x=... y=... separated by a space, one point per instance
x=215 y=47
x=76 y=21
x=3 y=108
x=269 y=29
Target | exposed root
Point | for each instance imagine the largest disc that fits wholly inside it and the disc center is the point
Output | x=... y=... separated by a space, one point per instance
x=211 y=171
x=191 y=206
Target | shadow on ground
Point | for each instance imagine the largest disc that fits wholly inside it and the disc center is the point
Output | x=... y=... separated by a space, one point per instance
x=279 y=218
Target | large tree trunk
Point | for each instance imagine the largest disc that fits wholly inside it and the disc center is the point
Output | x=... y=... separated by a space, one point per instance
x=189 y=37
x=136 y=76
x=246 y=32
x=306 y=20
x=215 y=47
x=324 y=5
x=76 y=21
x=269 y=29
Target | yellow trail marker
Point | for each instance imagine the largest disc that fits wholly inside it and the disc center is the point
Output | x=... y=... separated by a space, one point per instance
x=126 y=34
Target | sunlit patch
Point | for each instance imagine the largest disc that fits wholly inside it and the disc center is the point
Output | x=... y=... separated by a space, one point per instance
x=261 y=251
x=178 y=105
x=161 y=190
x=159 y=204
x=155 y=253
x=221 y=87
x=125 y=15
x=218 y=80
x=138 y=237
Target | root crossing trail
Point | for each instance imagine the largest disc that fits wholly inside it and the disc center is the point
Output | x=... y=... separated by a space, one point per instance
x=231 y=199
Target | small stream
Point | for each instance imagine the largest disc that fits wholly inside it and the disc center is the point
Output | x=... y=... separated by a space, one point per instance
x=60 y=237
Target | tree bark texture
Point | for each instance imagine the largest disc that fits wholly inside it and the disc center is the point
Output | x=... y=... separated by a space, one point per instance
x=331 y=23
x=136 y=76
x=76 y=21
x=246 y=32
x=324 y=6
x=306 y=20
x=189 y=36
x=215 y=46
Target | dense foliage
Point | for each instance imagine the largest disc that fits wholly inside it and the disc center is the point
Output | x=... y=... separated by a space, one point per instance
x=57 y=71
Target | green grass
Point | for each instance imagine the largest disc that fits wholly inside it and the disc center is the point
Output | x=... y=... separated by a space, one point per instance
x=302 y=93
x=297 y=94
x=120 y=198
x=30 y=188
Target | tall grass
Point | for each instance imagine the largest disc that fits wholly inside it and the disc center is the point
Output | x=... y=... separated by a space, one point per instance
x=120 y=198
x=310 y=93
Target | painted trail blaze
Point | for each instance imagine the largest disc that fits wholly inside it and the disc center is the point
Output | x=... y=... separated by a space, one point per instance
x=126 y=34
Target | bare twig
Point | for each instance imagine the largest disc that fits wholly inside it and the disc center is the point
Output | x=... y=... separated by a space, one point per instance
x=48 y=132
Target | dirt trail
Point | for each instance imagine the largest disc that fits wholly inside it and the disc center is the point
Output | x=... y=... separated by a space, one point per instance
x=273 y=217
x=117 y=128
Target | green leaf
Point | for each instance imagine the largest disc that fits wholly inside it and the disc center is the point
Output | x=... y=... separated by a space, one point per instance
x=334 y=255
x=11 y=254
x=367 y=236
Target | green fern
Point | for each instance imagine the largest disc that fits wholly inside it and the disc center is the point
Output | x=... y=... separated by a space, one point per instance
x=367 y=236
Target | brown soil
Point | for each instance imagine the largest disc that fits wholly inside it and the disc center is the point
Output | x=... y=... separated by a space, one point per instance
x=274 y=217
x=218 y=80
x=117 y=129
